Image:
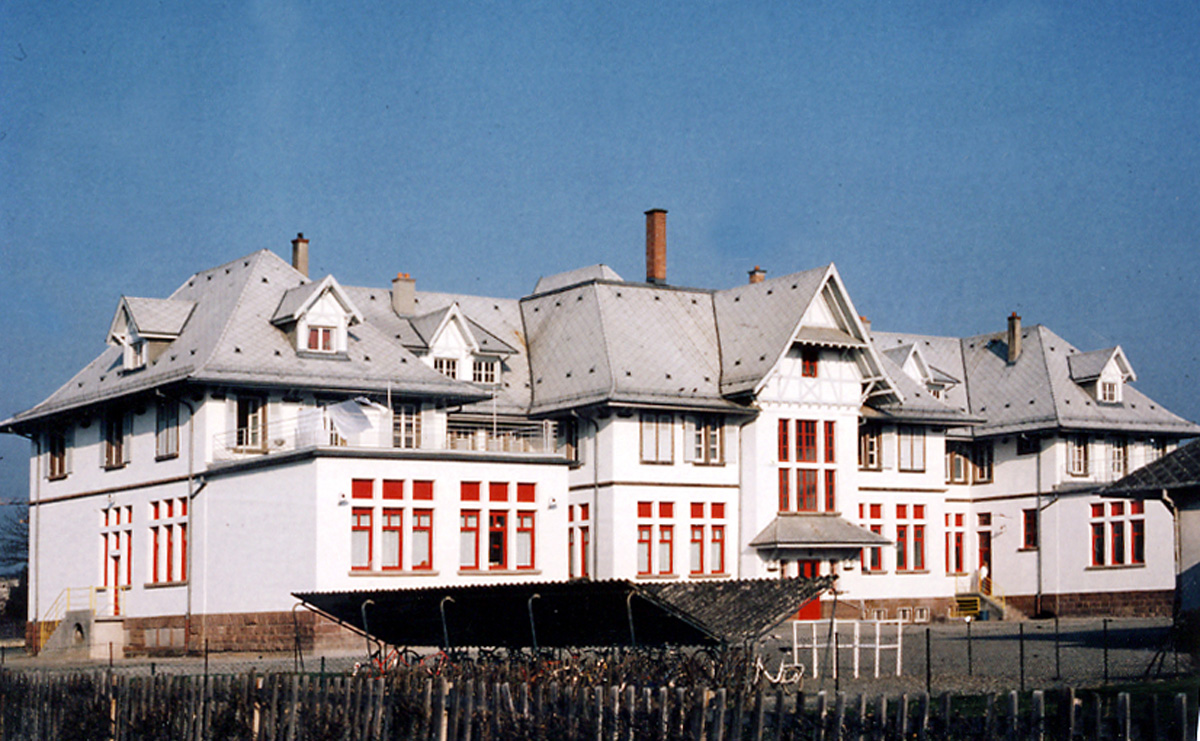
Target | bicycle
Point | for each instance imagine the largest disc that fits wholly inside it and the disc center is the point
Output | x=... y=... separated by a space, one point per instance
x=787 y=674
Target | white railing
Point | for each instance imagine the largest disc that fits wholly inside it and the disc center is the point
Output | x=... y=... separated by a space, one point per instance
x=314 y=428
x=817 y=636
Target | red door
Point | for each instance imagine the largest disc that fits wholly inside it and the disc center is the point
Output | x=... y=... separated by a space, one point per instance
x=810 y=610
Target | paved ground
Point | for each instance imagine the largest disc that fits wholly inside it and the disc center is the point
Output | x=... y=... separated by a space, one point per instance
x=989 y=660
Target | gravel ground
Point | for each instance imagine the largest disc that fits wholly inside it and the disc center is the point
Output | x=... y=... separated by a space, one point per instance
x=989 y=661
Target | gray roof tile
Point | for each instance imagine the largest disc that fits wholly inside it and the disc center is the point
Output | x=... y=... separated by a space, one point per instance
x=159 y=316
x=797 y=530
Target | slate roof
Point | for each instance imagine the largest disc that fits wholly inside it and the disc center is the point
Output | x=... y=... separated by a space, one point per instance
x=1087 y=366
x=159 y=316
x=1177 y=472
x=918 y=404
x=1037 y=392
x=575 y=277
x=229 y=339
x=815 y=530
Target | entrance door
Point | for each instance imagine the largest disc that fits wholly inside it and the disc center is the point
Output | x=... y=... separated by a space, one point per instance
x=811 y=610
x=985 y=561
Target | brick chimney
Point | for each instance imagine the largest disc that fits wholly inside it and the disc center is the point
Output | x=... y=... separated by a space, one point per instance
x=866 y=325
x=1014 y=337
x=404 y=294
x=300 y=254
x=757 y=275
x=656 y=246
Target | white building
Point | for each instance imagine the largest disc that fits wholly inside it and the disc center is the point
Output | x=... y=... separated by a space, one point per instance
x=258 y=433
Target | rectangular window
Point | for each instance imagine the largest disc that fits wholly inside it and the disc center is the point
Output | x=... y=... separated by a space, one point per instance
x=1028 y=445
x=912 y=448
x=806 y=490
x=498 y=491
x=468 y=540
x=360 y=539
x=809 y=356
x=902 y=548
x=422 y=489
x=830 y=490
x=785 y=449
x=705 y=444
x=484 y=371
x=874 y=560
x=116 y=452
x=498 y=540
x=696 y=549
x=806 y=441
x=1108 y=392
x=393 y=489
x=362 y=488
x=250 y=423
x=527 y=493
x=666 y=549
x=393 y=538
x=830 y=442
x=956 y=462
x=1137 y=538
x=983 y=461
x=56 y=448
x=446 y=366
x=166 y=426
x=406 y=426
x=585 y=543
x=716 y=559
x=572 y=564
x=525 y=540
x=1097 y=543
x=657 y=438
x=469 y=491
x=785 y=496
x=320 y=339
x=1120 y=457
x=1077 y=464
x=1117 y=530
x=868 y=447
x=918 y=547
x=1029 y=529
x=422 y=540
x=645 y=535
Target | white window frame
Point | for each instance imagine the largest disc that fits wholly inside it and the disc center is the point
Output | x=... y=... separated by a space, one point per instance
x=166 y=429
x=704 y=441
x=1077 y=455
x=448 y=367
x=406 y=426
x=326 y=338
x=657 y=437
x=911 y=448
x=869 y=447
x=485 y=371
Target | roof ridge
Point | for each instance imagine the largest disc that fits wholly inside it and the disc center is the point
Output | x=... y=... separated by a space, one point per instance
x=612 y=376
x=1058 y=418
x=256 y=259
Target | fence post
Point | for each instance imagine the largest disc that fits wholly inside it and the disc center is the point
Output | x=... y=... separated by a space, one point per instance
x=1106 y=650
x=718 y=717
x=928 y=663
x=1057 y=658
x=1037 y=715
x=1021 y=647
x=1181 y=715
x=970 y=663
x=1014 y=716
x=1123 y=720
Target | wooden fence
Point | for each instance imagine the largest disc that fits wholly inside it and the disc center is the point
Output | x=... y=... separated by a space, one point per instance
x=297 y=707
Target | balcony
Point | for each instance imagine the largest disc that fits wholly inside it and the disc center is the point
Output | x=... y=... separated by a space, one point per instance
x=377 y=428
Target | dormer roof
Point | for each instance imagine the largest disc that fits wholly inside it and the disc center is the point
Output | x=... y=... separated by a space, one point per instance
x=150 y=318
x=575 y=277
x=1089 y=366
x=298 y=300
x=428 y=329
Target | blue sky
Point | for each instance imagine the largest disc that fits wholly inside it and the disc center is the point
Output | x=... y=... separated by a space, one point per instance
x=958 y=161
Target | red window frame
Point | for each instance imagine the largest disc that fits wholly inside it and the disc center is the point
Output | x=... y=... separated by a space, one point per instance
x=170 y=553
x=498 y=491
x=585 y=541
x=918 y=548
x=830 y=442
x=645 y=543
x=666 y=509
x=156 y=574
x=422 y=520
x=362 y=489
x=360 y=522
x=830 y=490
x=718 y=549
x=785 y=495
x=1097 y=543
x=902 y=548
x=422 y=490
x=784 y=447
x=697 y=510
x=527 y=493
x=806 y=490
x=1029 y=528
x=666 y=544
x=806 y=441
x=809 y=358
x=183 y=574
x=468 y=491
x=644 y=509
x=718 y=510
x=498 y=541
x=697 y=549
x=468 y=522
x=525 y=529
x=1117 y=542
x=390 y=525
x=873 y=557
x=393 y=489
x=958 y=553
x=1137 y=541
x=584 y=512
x=571 y=553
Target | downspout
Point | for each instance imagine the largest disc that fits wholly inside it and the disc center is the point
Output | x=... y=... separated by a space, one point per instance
x=1037 y=600
x=1177 y=603
x=191 y=496
x=594 y=527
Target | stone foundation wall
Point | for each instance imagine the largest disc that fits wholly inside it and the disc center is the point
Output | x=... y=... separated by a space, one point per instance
x=1150 y=603
x=170 y=635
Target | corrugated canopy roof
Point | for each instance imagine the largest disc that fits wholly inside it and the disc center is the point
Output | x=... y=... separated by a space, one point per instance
x=575 y=613
x=1179 y=470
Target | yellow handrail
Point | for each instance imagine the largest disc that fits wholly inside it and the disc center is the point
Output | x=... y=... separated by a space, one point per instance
x=77 y=598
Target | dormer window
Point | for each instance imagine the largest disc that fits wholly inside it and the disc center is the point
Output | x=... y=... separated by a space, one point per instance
x=483 y=370
x=808 y=362
x=135 y=355
x=446 y=366
x=320 y=339
x=1110 y=392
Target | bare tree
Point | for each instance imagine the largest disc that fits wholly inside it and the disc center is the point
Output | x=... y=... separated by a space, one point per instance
x=14 y=538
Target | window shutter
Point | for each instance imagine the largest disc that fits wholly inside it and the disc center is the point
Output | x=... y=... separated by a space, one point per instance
x=689 y=439
x=729 y=443
x=649 y=441
x=69 y=444
x=102 y=431
x=230 y=421
x=127 y=437
x=666 y=438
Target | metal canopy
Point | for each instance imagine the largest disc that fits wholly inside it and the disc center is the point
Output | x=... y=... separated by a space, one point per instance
x=575 y=613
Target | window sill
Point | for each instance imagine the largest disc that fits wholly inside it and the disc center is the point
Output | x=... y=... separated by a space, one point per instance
x=167 y=457
x=876 y=572
x=956 y=573
x=1115 y=567
x=392 y=572
x=911 y=571
x=708 y=464
x=113 y=466
x=658 y=463
x=652 y=577
x=322 y=355
x=875 y=469
x=1027 y=549
x=721 y=575
x=58 y=477
x=164 y=584
x=911 y=470
x=497 y=572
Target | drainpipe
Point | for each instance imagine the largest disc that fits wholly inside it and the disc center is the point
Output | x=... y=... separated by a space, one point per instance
x=1174 y=510
x=594 y=527
x=1037 y=601
x=192 y=493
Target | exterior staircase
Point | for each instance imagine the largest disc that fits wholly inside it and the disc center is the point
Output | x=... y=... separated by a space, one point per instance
x=978 y=600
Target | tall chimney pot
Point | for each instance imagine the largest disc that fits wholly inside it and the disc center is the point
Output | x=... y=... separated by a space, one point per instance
x=300 y=254
x=1014 y=337
x=404 y=294
x=656 y=246
x=757 y=275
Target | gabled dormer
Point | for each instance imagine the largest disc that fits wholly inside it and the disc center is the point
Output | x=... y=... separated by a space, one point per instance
x=1103 y=373
x=459 y=348
x=317 y=316
x=143 y=327
x=911 y=360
